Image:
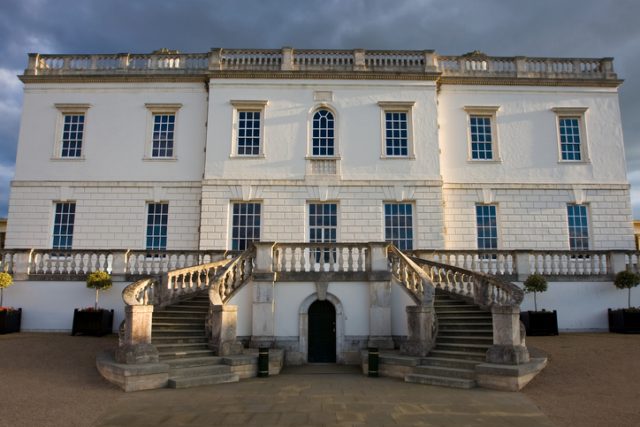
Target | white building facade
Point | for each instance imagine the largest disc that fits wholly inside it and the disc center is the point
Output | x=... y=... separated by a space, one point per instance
x=459 y=157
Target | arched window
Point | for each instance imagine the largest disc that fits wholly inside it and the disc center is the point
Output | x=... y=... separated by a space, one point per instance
x=323 y=138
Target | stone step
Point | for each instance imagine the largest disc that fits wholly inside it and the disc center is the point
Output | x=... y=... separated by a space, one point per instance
x=441 y=371
x=177 y=314
x=479 y=315
x=462 y=347
x=457 y=317
x=464 y=339
x=169 y=355
x=485 y=332
x=180 y=347
x=183 y=332
x=440 y=381
x=193 y=362
x=165 y=324
x=180 y=339
x=449 y=363
x=198 y=308
x=456 y=307
x=468 y=355
x=449 y=324
x=198 y=371
x=188 y=382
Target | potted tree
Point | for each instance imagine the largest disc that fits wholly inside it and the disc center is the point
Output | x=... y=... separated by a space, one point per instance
x=625 y=320
x=538 y=323
x=9 y=316
x=94 y=320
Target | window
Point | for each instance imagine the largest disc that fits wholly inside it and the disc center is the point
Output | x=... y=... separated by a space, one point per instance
x=64 y=217
x=71 y=131
x=482 y=133
x=157 y=220
x=578 y=227
x=487 y=226
x=397 y=138
x=571 y=134
x=245 y=225
x=398 y=225
x=248 y=128
x=323 y=227
x=162 y=131
x=163 y=134
x=323 y=134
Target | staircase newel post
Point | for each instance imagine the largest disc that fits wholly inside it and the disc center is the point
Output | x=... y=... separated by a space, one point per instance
x=508 y=343
x=263 y=319
x=379 y=296
x=135 y=346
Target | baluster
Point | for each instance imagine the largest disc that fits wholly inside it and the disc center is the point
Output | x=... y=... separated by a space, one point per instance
x=572 y=264
x=595 y=264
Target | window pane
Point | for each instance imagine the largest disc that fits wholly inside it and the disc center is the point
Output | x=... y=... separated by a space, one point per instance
x=570 y=138
x=578 y=227
x=322 y=143
x=162 y=138
x=396 y=141
x=487 y=227
x=398 y=225
x=245 y=225
x=72 y=134
x=63 y=221
x=157 y=220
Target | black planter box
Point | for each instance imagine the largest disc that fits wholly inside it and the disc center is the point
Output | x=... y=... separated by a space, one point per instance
x=540 y=323
x=96 y=323
x=624 y=321
x=10 y=321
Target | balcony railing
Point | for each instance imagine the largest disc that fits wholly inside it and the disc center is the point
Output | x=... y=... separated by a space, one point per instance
x=295 y=259
x=474 y=64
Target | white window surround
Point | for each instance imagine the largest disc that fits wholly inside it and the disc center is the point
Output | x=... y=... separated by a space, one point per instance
x=487 y=111
x=247 y=105
x=400 y=107
x=65 y=110
x=154 y=109
x=580 y=114
x=336 y=132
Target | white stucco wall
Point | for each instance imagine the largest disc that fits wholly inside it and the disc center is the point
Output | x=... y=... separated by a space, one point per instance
x=48 y=306
x=399 y=302
x=582 y=306
x=243 y=300
x=527 y=135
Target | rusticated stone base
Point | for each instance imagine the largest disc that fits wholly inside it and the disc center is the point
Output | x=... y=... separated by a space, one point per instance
x=134 y=354
x=508 y=354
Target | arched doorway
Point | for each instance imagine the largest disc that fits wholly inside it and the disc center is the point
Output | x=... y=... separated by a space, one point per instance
x=322 y=332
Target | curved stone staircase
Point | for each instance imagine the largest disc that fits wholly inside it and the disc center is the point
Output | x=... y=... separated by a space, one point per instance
x=465 y=333
x=178 y=332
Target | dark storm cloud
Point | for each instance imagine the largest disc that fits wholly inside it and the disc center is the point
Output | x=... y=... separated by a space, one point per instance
x=577 y=28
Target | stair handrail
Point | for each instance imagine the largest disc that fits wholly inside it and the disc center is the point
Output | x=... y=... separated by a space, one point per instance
x=232 y=277
x=485 y=290
x=141 y=292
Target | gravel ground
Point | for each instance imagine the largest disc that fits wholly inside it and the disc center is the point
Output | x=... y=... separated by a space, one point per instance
x=591 y=379
x=51 y=380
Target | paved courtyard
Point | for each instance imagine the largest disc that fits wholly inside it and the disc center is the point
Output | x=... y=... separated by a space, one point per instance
x=50 y=380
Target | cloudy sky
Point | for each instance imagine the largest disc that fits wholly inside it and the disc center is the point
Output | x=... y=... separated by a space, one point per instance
x=574 y=28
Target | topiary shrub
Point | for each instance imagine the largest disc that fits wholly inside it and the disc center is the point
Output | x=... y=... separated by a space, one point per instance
x=6 y=280
x=535 y=283
x=100 y=281
x=627 y=280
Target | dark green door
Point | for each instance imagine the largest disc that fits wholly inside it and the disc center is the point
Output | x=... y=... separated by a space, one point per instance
x=322 y=332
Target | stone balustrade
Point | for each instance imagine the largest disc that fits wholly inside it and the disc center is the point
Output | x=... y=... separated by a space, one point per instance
x=557 y=265
x=474 y=64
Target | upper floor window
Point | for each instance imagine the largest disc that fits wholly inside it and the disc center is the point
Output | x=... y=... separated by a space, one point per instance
x=482 y=133
x=487 y=226
x=245 y=225
x=63 y=221
x=157 y=222
x=571 y=134
x=578 y=227
x=161 y=138
x=398 y=225
x=248 y=128
x=71 y=131
x=397 y=132
x=323 y=133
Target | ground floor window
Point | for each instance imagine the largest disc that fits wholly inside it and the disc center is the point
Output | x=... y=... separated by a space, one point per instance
x=157 y=220
x=578 y=227
x=64 y=218
x=398 y=225
x=245 y=226
x=487 y=226
x=323 y=227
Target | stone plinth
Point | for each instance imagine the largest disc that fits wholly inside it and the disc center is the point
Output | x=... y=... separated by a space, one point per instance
x=420 y=339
